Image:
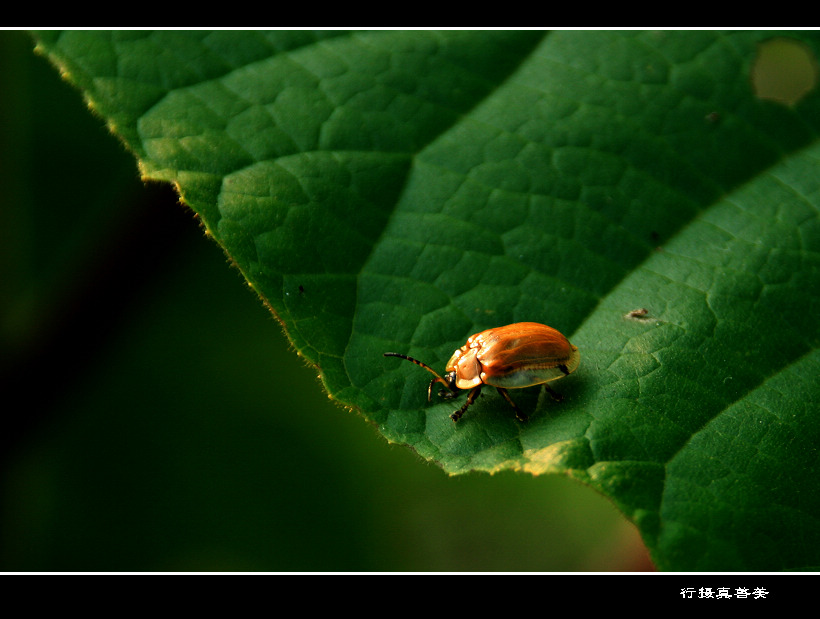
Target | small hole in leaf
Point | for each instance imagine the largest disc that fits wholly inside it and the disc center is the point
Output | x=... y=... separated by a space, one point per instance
x=785 y=70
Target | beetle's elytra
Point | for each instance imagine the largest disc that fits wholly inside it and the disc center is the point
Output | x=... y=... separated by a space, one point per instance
x=519 y=355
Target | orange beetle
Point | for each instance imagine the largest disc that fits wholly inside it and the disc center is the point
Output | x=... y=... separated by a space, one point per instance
x=519 y=355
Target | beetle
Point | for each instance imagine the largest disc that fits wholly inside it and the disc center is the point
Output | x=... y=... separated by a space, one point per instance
x=519 y=355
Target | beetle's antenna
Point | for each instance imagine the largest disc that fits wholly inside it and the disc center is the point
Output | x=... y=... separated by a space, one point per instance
x=416 y=361
x=437 y=379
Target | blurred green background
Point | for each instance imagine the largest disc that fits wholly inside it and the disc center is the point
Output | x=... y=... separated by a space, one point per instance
x=156 y=419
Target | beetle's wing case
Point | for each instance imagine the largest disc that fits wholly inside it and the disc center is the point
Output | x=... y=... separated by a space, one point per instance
x=523 y=354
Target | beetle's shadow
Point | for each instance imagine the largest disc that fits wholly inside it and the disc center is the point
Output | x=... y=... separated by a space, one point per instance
x=536 y=402
x=571 y=389
x=540 y=404
x=491 y=405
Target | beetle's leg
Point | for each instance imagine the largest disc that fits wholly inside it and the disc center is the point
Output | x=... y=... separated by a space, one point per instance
x=518 y=412
x=470 y=399
x=555 y=395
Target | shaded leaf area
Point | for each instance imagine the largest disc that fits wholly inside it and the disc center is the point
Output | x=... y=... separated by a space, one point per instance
x=400 y=191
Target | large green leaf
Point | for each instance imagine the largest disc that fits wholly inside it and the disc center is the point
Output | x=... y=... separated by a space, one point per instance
x=402 y=190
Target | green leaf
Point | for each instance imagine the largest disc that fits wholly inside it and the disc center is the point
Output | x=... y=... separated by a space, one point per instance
x=399 y=191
